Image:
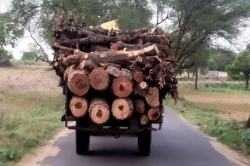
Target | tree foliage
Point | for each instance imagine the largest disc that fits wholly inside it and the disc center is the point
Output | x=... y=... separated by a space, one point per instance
x=220 y=59
x=5 y=55
x=9 y=32
x=41 y=14
x=38 y=52
x=28 y=56
x=197 y=22
x=241 y=65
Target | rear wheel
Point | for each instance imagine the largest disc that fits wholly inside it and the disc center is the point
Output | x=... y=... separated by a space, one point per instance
x=144 y=142
x=82 y=139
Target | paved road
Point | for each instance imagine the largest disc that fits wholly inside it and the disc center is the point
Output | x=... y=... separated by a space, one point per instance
x=177 y=144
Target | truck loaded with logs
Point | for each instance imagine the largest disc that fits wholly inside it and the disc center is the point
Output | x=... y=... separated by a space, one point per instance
x=114 y=83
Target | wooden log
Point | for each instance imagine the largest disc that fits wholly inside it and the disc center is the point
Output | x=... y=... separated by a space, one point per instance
x=98 y=48
x=99 y=111
x=137 y=73
x=133 y=32
x=131 y=47
x=141 y=89
x=127 y=73
x=99 y=79
x=114 y=71
x=104 y=39
x=122 y=108
x=78 y=83
x=119 y=57
x=88 y=65
x=68 y=71
x=152 y=97
x=94 y=39
x=122 y=86
x=76 y=32
x=78 y=106
x=154 y=114
x=140 y=106
x=143 y=119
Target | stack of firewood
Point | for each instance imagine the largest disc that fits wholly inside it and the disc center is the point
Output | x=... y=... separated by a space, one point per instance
x=114 y=75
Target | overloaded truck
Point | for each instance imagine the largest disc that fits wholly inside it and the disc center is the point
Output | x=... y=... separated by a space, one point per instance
x=114 y=81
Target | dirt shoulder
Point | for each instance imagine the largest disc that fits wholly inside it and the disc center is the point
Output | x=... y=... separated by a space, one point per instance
x=28 y=79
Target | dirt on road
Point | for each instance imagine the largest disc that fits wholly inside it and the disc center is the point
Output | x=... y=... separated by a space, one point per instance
x=237 y=104
x=28 y=79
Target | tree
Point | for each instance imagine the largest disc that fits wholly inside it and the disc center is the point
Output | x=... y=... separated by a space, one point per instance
x=28 y=56
x=248 y=47
x=199 y=60
x=241 y=65
x=5 y=55
x=220 y=59
x=9 y=32
x=198 y=22
x=41 y=14
x=38 y=52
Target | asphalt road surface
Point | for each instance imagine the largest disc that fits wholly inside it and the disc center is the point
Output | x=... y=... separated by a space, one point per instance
x=177 y=144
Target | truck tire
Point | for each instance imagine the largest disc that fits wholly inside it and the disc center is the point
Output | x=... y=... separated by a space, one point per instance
x=82 y=139
x=144 y=142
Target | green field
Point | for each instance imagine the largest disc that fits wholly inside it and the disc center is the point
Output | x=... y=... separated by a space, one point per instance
x=26 y=121
x=223 y=86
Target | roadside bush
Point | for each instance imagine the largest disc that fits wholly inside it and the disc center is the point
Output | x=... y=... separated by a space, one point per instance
x=9 y=155
x=219 y=127
x=30 y=143
x=246 y=140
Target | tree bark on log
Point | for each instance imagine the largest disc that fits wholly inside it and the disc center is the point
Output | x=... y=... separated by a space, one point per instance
x=78 y=83
x=78 y=106
x=127 y=73
x=133 y=32
x=131 y=47
x=137 y=73
x=88 y=65
x=154 y=114
x=114 y=71
x=122 y=86
x=76 y=32
x=104 y=39
x=68 y=71
x=99 y=111
x=152 y=97
x=143 y=119
x=122 y=108
x=98 y=48
x=141 y=89
x=119 y=57
x=140 y=106
x=99 y=79
x=94 y=39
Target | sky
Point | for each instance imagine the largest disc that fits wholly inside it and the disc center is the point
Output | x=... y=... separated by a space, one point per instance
x=23 y=44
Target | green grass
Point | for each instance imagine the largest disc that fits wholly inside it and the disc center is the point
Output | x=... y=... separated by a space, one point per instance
x=26 y=121
x=228 y=132
x=228 y=87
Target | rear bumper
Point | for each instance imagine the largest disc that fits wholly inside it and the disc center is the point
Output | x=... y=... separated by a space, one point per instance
x=128 y=127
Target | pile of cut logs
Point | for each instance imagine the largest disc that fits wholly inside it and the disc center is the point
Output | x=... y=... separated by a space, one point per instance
x=114 y=76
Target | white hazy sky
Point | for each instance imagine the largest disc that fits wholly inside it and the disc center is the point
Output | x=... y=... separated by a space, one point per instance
x=23 y=44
